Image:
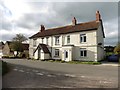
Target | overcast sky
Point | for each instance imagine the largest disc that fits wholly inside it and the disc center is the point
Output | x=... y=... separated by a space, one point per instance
x=26 y=17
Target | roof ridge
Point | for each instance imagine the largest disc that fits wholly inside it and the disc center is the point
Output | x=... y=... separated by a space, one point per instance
x=70 y=25
x=85 y=26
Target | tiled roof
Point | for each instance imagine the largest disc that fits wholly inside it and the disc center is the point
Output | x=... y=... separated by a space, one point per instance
x=24 y=45
x=92 y=25
x=43 y=47
x=1 y=45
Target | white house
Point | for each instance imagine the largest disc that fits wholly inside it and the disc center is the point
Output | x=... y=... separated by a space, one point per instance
x=78 y=41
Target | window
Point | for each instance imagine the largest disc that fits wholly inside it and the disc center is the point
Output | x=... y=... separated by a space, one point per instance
x=68 y=39
x=83 y=52
x=56 y=40
x=57 y=52
x=82 y=38
x=34 y=42
x=47 y=40
x=42 y=40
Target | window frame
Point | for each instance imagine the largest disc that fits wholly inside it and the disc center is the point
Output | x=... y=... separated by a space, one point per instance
x=47 y=40
x=42 y=40
x=68 y=39
x=34 y=42
x=83 y=52
x=57 y=40
x=57 y=51
x=83 y=38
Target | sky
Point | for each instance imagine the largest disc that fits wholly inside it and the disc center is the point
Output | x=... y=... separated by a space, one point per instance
x=25 y=17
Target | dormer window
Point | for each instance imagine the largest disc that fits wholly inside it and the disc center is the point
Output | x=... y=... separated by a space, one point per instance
x=57 y=40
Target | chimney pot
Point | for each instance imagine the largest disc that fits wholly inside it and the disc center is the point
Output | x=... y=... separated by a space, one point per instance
x=42 y=28
x=74 y=21
x=98 y=16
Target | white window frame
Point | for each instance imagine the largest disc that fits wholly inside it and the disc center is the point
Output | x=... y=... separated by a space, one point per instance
x=68 y=39
x=57 y=41
x=83 y=38
x=34 y=42
x=42 y=40
x=47 y=40
x=84 y=52
x=56 y=52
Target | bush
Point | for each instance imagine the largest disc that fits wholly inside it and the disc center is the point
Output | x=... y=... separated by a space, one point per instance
x=5 y=56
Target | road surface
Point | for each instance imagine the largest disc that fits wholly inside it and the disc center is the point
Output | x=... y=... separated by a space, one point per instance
x=42 y=74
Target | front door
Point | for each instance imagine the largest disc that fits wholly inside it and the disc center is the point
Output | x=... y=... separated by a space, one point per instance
x=66 y=55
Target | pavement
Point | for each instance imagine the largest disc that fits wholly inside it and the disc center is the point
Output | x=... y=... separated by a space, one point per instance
x=106 y=63
x=42 y=74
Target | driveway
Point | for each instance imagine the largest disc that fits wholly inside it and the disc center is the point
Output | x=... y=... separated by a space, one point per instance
x=42 y=74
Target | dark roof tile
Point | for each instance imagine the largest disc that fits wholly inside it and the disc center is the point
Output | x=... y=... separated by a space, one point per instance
x=93 y=25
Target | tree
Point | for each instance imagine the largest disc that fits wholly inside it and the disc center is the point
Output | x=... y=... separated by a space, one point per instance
x=117 y=49
x=17 y=43
x=19 y=38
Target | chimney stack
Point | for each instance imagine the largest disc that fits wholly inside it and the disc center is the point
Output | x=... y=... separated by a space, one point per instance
x=74 y=21
x=42 y=28
x=98 y=16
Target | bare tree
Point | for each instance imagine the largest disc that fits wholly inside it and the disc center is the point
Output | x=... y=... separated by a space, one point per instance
x=19 y=38
x=17 y=43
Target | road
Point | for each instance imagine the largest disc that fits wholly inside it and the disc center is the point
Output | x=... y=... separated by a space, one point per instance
x=42 y=74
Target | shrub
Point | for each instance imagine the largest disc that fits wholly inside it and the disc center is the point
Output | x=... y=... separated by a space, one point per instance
x=5 y=56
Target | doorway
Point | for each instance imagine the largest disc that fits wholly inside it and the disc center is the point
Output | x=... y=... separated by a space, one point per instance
x=66 y=55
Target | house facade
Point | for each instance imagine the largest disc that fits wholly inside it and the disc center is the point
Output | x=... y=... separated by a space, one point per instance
x=9 y=51
x=78 y=41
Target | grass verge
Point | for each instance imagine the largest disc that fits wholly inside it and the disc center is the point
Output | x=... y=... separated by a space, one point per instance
x=76 y=62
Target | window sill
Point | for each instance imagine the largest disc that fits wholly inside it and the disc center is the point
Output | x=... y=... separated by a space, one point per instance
x=56 y=56
x=83 y=42
x=83 y=56
x=57 y=44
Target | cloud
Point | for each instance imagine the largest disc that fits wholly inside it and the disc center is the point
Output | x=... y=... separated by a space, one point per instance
x=28 y=16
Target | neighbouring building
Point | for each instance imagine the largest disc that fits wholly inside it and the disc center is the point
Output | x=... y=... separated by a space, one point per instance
x=109 y=48
x=9 y=51
x=1 y=49
x=78 y=41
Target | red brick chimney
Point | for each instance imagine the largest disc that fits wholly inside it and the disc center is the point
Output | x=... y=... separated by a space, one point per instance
x=98 y=16
x=74 y=21
x=42 y=28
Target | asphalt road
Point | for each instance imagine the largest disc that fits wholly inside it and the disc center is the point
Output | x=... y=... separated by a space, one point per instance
x=42 y=74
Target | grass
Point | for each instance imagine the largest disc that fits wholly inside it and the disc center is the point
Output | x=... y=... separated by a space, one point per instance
x=84 y=62
x=76 y=62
